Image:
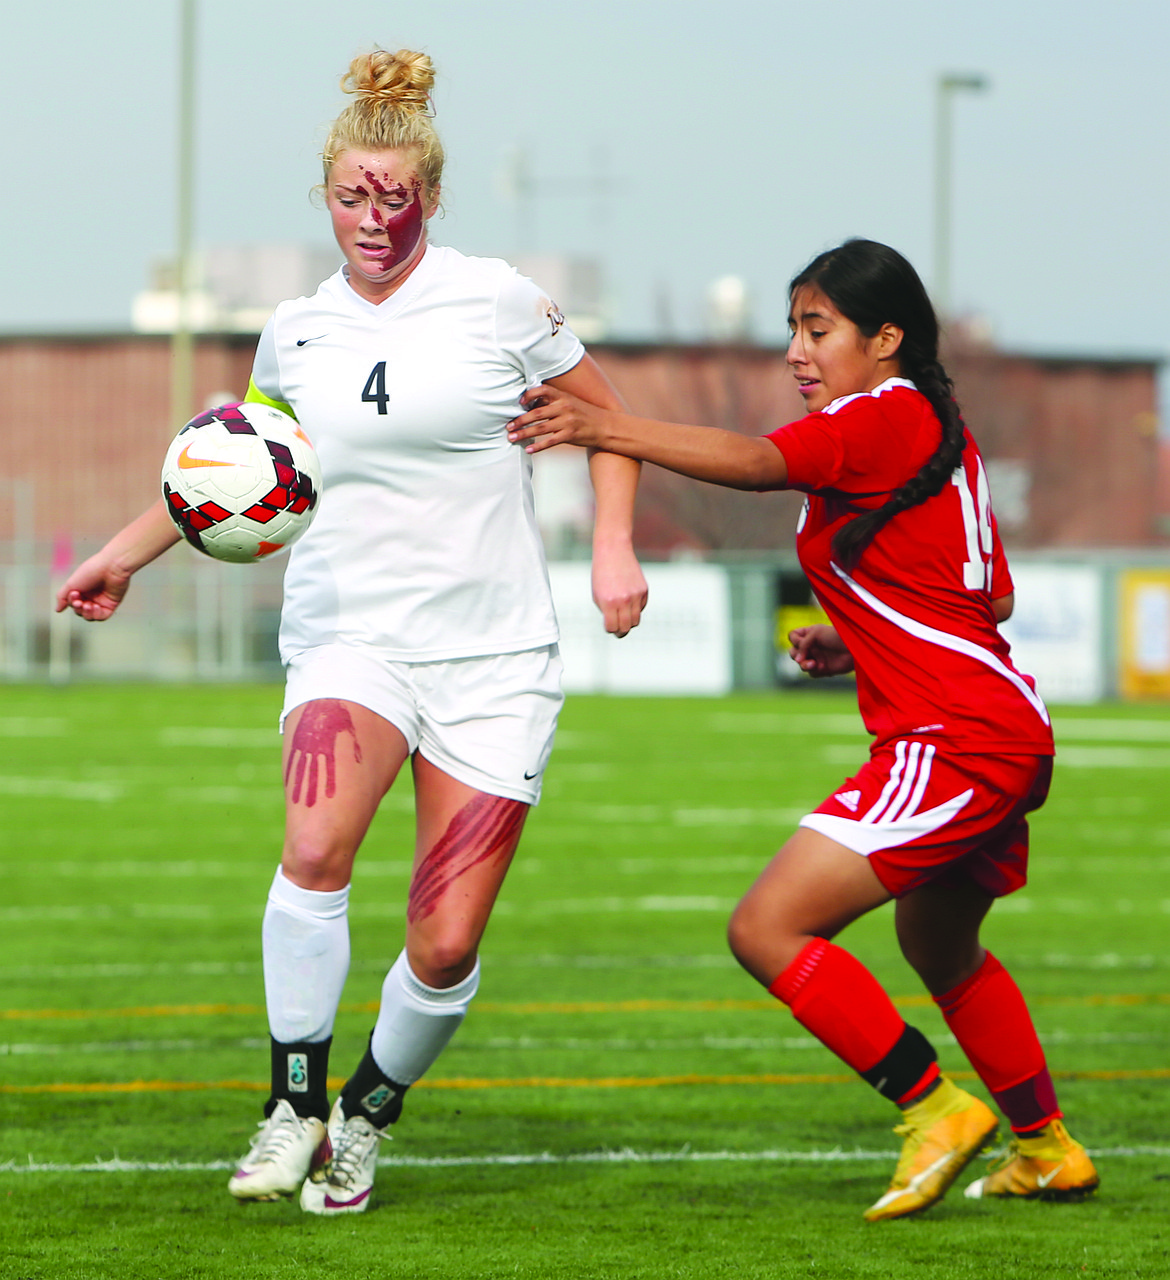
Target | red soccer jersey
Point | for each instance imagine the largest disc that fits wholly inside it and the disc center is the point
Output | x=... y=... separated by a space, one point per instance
x=915 y=612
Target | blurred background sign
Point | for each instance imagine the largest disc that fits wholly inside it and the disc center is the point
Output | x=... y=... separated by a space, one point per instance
x=1144 y=598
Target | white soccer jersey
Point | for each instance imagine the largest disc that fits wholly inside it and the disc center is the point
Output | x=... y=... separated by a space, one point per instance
x=425 y=545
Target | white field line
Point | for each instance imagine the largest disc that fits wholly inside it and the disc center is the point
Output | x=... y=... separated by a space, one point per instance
x=1017 y=904
x=740 y=865
x=1085 y=729
x=737 y=864
x=544 y=1158
x=1110 y=960
x=208 y=737
x=61 y=789
x=32 y=727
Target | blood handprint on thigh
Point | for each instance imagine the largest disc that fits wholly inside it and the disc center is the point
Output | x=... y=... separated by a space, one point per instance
x=486 y=827
x=314 y=743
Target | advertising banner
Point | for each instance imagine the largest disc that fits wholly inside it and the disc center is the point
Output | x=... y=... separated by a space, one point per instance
x=683 y=645
x=1057 y=632
x=1144 y=604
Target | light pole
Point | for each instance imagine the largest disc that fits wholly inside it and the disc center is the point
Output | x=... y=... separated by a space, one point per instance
x=182 y=341
x=945 y=87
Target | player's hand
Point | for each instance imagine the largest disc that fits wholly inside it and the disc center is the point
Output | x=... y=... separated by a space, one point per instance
x=619 y=589
x=555 y=417
x=819 y=651
x=93 y=590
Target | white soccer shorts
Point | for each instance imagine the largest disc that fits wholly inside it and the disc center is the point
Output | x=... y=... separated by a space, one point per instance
x=488 y=722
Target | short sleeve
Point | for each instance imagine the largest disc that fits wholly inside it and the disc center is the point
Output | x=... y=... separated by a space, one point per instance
x=532 y=332
x=266 y=367
x=865 y=445
x=264 y=384
x=814 y=450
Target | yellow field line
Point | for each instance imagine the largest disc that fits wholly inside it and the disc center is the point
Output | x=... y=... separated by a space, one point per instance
x=537 y=1007
x=538 y=1082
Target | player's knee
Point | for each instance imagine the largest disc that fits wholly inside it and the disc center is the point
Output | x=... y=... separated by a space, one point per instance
x=941 y=969
x=314 y=863
x=744 y=934
x=444 y=959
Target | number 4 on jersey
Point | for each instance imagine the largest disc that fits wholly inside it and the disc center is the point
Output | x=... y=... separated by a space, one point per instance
x=374 y=392
x=976 y=508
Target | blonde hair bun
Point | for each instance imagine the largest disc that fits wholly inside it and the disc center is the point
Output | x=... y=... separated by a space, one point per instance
x=391 y=111
x=403 y=79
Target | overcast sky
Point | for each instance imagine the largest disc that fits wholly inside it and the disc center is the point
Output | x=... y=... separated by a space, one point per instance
x=678 y=142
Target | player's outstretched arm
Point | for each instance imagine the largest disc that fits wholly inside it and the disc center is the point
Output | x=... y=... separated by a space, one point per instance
x=96 y=586
x=619 y=586
x=819 y=651
x=553 y=417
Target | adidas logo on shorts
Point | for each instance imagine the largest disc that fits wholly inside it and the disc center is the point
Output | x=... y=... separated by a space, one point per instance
x=850 y=799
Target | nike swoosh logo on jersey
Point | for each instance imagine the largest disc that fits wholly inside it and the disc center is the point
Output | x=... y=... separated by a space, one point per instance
x=301 y=341
x=186 y=462
x=1045 y=1178
x=529 y=776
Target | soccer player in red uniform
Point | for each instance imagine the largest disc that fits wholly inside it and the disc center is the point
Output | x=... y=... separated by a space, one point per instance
x=899 y=542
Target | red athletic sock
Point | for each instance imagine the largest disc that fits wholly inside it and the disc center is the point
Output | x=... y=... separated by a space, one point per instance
x=991 y=1022
x=836 y=998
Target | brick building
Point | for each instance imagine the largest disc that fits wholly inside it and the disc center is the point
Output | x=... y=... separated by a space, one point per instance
x=1072 y=444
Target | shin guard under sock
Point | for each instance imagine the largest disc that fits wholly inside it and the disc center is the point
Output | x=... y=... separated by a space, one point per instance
x=371 y=1093
x=835 y=997
x=415 y=1022
x=300 y=1076
x=988 y=1017
x=306 y=956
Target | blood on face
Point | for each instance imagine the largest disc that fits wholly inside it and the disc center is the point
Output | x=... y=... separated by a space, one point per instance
x=379 y=206
x=403 y=225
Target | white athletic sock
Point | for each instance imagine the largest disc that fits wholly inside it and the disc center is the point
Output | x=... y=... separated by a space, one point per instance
x=306 y=958
x=416 y=1021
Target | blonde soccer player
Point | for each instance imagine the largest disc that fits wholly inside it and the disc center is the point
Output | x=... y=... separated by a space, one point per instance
x=417 y=622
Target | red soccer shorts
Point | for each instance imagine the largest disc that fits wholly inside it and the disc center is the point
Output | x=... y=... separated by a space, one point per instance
x=921 y=815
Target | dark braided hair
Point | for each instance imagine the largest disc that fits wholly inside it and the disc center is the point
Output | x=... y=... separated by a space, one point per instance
x=872 y=285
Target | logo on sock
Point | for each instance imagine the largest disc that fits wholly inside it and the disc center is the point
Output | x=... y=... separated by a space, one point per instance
x=298 y=1073
x=376 y=1099
x=850 y=799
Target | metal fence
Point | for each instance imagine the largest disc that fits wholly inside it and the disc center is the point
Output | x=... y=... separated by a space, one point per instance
x=185 y=618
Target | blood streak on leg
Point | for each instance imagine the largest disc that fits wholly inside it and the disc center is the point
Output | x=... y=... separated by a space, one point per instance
x=315 y=742
x=486 y=827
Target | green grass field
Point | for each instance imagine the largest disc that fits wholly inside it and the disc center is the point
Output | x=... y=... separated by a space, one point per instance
x=622 y=1101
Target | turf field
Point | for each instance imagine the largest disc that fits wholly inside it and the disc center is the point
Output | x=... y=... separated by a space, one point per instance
x=622 y=1101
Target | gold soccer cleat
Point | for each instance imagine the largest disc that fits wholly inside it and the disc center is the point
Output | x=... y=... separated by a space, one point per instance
x=943 y=1134
x=1050 y=1166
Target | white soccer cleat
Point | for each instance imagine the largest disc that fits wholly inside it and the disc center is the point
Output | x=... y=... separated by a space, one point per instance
x=287 y=1149
x=345 y=1183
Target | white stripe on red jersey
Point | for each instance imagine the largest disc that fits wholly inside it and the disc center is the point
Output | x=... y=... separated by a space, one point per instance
x=916 y=611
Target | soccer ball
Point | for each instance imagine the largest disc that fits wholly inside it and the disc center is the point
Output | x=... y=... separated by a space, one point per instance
x=241 y=482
